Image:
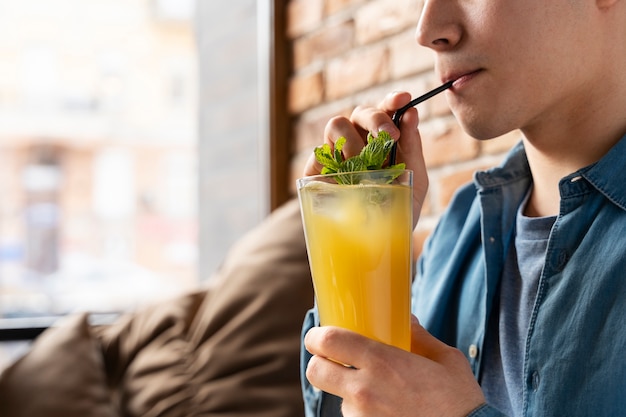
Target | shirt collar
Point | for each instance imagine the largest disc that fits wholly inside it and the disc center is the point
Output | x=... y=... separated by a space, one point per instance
x=514 y=168
x=608 y=175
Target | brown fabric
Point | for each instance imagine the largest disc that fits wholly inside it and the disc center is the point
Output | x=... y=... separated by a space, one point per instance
x=247 y=337
x=238 y=354
x=146 y=358
x=230 y=350
x=62 y=376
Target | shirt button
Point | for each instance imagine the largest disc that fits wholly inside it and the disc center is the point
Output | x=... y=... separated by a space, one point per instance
x=536 y=381
x=472 y=351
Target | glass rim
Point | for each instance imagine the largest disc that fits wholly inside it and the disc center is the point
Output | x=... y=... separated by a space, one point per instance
x=380 y=173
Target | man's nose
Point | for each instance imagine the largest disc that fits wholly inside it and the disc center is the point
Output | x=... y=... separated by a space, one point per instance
x=438 y=27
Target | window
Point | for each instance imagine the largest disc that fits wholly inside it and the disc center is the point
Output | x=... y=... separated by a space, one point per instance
x=98 y=147
x=175 y=10
x=127 y=159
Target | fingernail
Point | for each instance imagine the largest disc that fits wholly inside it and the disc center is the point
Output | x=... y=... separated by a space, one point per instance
x=389 y=128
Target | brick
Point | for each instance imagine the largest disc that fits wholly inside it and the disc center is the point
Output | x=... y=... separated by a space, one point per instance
x=378 y=19
x=334 y=6
x=309 y=132
x=407 y=57
x=418 y=85
x=324 y=43
x=448 y=184
x=296 y=169
x=354 y=72
x=438 y=106
x=427 y=205
x=303 y=16
x=305 y=91
x=447 y=145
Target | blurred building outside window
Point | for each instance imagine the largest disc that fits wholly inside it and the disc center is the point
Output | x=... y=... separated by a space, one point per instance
x=98 y=149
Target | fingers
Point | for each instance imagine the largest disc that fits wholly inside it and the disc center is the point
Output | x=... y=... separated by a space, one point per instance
x=335 y=128
x=329 y=375
x=435 y=379
x=409 y=145
x=343 y=359
x=342 y=127
x=428 y=346
x=410 y=152
x=312 y=167
x=422 y=342
x=334 y=343
x=370 y=119
x=374 y=119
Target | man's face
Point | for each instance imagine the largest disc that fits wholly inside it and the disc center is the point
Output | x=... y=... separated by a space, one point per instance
x=518 y=63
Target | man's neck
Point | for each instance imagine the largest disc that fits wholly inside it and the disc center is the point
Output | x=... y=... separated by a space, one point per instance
x=585 y=124
x=558 y=149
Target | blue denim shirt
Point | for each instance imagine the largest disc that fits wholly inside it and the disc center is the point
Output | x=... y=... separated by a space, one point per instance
x=575 y=353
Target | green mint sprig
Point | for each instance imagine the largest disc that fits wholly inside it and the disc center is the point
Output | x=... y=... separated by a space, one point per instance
x=372 y=157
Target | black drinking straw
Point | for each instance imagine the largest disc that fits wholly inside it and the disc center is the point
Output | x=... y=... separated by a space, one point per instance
x=398 y=114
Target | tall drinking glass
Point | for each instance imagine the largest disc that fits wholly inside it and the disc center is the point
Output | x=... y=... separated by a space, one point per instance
x=359 y=243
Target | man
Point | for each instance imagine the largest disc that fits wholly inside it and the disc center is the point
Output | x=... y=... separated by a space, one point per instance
x=521 y=289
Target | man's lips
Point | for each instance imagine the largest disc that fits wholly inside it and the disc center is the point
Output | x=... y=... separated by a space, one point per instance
x=461 y=78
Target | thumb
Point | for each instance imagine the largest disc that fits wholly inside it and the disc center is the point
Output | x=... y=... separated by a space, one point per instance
x=423 y=343
x=411 y=152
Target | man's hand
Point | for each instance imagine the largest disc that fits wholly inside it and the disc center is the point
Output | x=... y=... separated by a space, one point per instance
x=374 y=119
x=384 y=381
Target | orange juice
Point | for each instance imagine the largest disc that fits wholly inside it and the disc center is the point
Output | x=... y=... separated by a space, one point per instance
x=359 y=247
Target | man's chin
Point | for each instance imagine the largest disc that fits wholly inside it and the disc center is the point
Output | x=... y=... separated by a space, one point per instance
x=482 y=129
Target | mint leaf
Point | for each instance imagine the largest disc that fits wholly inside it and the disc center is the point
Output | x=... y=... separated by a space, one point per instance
x=331 y=160
x=377 y=150
x=326 y=157
x=338 y=147
x=372 y=157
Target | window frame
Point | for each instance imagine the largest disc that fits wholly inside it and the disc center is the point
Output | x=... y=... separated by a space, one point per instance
x=274 y=121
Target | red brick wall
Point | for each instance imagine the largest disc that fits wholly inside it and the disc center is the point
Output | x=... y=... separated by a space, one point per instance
x=351 y=52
